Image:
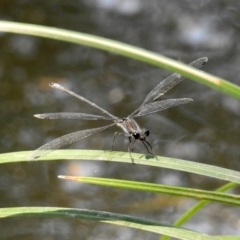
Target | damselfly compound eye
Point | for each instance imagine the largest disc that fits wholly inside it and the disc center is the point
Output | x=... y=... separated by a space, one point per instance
x=136 y=135
x=147 y=133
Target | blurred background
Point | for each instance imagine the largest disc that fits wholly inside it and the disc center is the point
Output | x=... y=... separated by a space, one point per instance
x=205 y=130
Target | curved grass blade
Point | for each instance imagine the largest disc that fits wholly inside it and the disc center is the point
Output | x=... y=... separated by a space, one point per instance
x=105 y=217
x=198 y=206
x=225 y=198
x=124 y=50
x=123 y=157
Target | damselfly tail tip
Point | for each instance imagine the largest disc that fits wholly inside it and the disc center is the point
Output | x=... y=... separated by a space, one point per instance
x=54 y=85
x=38 y=116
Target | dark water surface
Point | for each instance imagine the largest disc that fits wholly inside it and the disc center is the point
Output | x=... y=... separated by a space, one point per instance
x=206 y=130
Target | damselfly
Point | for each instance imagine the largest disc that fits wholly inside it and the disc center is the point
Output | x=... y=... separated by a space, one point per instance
x=129 y=126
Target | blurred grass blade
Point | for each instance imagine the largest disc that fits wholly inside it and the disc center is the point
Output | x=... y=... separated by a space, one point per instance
x=197 y=207
x=105 y=217
x=123 y=157
x=228 y=238
x=225 y=198
x=124 y=50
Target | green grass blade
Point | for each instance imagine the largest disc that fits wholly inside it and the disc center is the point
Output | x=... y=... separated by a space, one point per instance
x=198 y=206
x=123 y=157
x=105 y=217
x=124 y=50
x=231 y=199
x=228 y=237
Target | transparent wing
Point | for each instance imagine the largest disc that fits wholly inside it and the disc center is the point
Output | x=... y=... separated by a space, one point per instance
x=70 y=115
x=171 y=81
x=161 y=105
x=65 y=140
x=59 y=87
x=163 y=87
x=167 y=84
